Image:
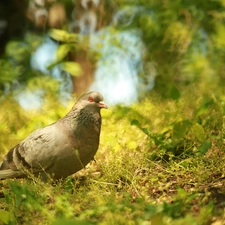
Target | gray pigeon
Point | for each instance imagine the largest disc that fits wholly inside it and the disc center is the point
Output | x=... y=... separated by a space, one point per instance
x=61 y=148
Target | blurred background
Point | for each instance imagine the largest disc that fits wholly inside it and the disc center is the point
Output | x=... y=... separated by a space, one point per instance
x=124 y=49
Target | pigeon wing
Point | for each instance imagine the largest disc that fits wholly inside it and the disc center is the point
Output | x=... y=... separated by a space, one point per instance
x=36 y=152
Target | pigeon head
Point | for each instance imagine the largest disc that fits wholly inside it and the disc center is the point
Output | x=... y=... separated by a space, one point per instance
x=92 y=99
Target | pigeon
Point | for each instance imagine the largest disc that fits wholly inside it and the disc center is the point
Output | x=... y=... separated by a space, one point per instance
x=60 y=149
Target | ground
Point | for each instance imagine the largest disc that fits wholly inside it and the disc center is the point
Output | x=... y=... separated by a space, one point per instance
x=160 y=161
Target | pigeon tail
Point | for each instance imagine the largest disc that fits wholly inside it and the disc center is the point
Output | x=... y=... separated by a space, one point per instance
x=5 y=174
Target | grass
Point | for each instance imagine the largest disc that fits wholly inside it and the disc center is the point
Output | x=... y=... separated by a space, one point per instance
x=160 y=161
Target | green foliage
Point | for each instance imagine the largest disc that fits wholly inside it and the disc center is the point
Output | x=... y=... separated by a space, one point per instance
x=4 y=217
x=68 y=45
x=175 y=93
x=159 y=161
x=204 y=147
x=63 y=36
x=16 y=63
x=15 y=66
x=8 y=74
x=23 y=196
x=71 y=67
x=184 y=39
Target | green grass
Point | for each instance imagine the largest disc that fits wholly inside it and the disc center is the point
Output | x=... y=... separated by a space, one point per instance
x=160 y=161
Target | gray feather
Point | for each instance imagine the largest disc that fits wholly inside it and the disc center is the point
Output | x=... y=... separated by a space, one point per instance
x=59 y=149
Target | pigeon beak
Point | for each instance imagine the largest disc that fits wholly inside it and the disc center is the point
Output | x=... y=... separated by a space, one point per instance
x=102 y=105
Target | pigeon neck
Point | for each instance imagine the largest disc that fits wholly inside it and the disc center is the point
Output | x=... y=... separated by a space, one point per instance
x=84 y=115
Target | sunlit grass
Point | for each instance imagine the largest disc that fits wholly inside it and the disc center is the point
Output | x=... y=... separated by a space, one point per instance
x=154 y=166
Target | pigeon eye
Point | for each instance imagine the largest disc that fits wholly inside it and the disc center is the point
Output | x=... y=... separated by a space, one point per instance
x=90 y=99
